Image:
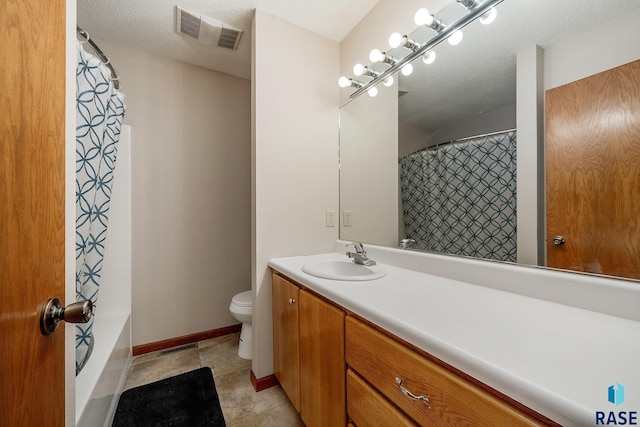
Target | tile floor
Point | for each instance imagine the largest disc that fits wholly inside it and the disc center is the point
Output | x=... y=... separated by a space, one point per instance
x=241 y=405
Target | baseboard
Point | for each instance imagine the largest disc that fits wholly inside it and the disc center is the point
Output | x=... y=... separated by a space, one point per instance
x=186 y=339
x=263 y=383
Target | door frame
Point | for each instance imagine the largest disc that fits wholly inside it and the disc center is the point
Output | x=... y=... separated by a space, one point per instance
x=70 y=209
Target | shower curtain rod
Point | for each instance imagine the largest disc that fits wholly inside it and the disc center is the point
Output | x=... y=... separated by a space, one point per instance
x=481 y=135
x=436 y=146
x=104 y=58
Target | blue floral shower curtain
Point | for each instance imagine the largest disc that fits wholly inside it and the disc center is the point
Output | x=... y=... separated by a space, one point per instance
x=460 y=198
x=99 y=112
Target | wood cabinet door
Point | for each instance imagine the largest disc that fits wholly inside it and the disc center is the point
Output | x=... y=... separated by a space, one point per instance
x=322 y=363
x=286 y=347
x=593 y=173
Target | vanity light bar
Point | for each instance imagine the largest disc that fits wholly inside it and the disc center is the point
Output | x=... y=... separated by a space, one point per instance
x=477 y=11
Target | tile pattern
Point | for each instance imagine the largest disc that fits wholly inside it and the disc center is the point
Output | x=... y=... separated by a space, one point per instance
x=241 y=405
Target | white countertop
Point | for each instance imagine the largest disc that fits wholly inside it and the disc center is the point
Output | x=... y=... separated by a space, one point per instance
x=556 y=359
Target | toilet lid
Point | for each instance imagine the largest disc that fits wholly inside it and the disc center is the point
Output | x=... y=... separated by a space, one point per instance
x=243 y=299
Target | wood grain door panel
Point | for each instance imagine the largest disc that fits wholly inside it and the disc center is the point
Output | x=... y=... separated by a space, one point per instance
x=32 y=209
x=593 y=173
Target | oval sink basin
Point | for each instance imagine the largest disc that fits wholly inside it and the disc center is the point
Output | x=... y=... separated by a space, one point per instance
x=344 y=270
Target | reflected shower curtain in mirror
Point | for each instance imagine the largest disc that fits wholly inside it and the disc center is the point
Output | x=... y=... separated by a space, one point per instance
x=460 y=198
x=99 y=113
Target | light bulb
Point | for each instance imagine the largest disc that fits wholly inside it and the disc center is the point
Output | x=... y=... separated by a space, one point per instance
x=455 y=38
x=406 y=70
x=395 y=40
x=344 y=82
x=358 y=69
x=423 y=17
x=373 y=91
x=376 y=56
x=429 y=57
x=489 y=16
x=388 y=81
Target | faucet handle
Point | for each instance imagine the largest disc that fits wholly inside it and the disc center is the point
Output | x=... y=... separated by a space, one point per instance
x=357 y=246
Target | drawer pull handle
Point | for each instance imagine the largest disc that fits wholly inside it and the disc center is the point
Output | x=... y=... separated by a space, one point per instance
x=410 y=395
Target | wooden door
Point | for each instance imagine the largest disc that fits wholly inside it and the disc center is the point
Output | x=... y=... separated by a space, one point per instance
x=286 y=346
x=32 y=202
x=322 y=363
x=593 y=173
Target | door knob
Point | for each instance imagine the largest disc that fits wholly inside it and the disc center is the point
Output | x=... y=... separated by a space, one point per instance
x=52 y=313
x=559 y=240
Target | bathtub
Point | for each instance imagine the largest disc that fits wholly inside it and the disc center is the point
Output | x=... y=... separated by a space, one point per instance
x=101 y=381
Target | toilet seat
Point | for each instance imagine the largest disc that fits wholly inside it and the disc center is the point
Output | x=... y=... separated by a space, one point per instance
x=243 y=299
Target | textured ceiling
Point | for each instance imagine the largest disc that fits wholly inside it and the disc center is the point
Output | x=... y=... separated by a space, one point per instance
x=482 y=67
x=479 y=75
x=149 y=25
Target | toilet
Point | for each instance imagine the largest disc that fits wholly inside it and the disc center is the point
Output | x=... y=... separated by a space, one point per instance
x=241 y=308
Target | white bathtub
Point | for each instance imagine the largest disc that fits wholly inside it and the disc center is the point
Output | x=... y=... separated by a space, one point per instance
x=101 y=381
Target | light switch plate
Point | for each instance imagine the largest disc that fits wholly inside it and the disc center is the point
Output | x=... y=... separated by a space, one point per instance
x=346 y=218
x=330 y=218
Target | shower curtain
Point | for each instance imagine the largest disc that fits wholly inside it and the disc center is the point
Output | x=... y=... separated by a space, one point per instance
x=460 y=198
x=99 y=113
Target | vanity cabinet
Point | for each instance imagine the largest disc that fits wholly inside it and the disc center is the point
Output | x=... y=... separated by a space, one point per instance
x=309 y=353
x=387 y=365
x=286 y=342
x=339 y=369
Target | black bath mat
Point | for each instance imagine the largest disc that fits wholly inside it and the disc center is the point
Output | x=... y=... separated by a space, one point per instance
x=189 y=399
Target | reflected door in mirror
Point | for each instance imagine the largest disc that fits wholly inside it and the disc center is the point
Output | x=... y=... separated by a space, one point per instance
x=593 y=173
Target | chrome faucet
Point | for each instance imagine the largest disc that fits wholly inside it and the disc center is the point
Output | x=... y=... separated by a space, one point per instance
x=405 y=243
x=360 y=255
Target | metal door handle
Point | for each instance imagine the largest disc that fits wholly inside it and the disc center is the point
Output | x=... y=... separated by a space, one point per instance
x=292 y=300
x=52 y=313
x=559 y=240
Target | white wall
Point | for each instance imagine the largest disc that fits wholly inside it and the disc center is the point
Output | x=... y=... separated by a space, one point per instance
x=369 y=168
x=190 y=193
x=294 y=156
x=530 y=156
x=413 y=138
x=608 y=46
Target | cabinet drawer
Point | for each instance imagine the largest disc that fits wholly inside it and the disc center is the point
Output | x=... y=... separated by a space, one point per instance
x=367 y=407
x=452 y=400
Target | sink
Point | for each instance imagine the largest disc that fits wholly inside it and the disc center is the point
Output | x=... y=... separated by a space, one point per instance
x=344 y=270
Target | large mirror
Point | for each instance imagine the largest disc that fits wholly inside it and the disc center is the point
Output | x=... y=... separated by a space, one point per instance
x=452 y=156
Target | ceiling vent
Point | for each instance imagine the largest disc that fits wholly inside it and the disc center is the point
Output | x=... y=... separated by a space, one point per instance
x=206 y=30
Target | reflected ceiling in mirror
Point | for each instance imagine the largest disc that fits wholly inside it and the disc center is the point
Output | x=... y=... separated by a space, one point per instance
x=466 y=82
x=479 y=74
